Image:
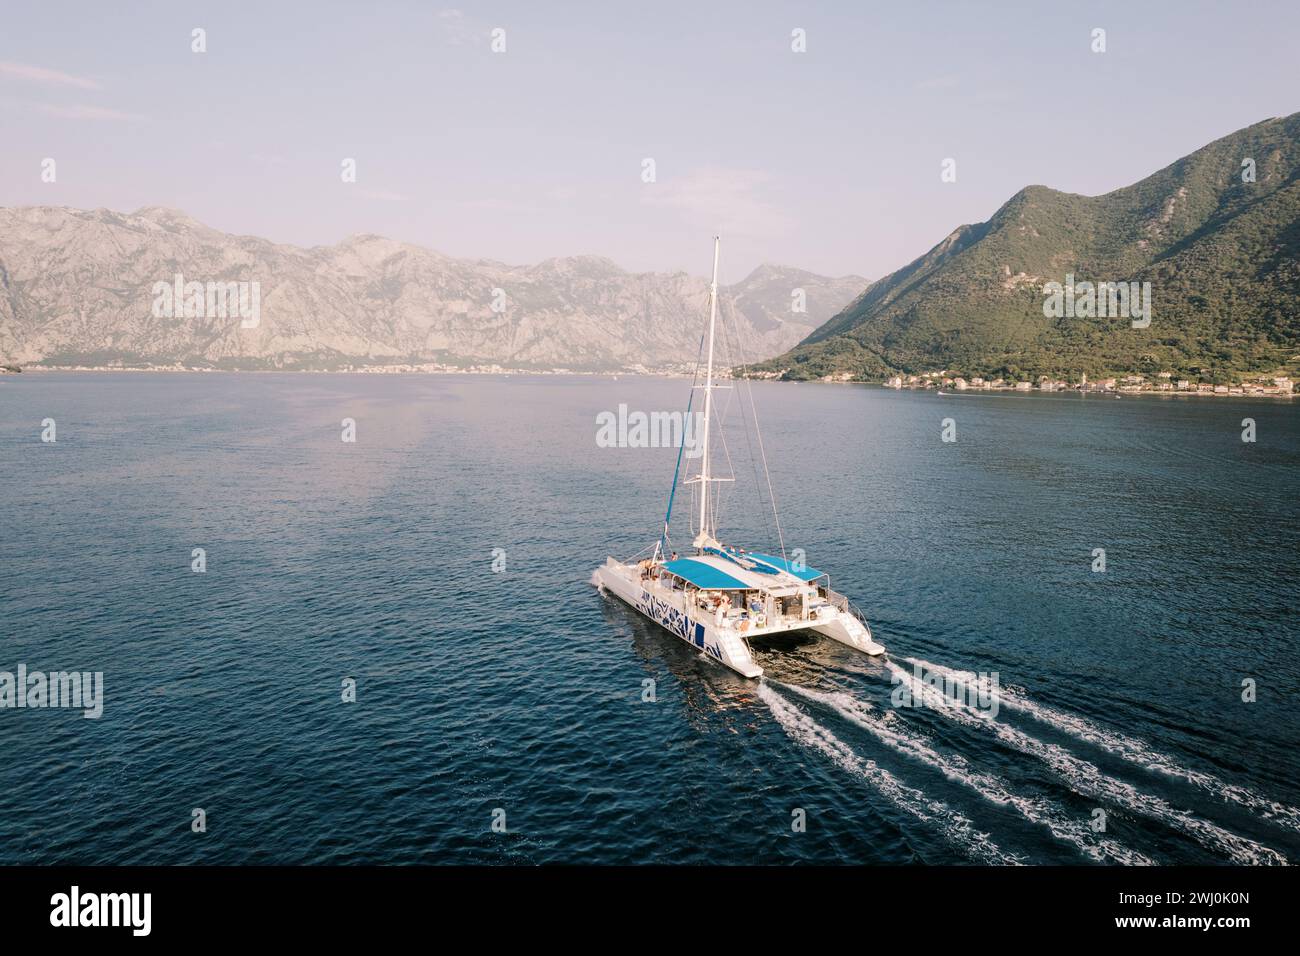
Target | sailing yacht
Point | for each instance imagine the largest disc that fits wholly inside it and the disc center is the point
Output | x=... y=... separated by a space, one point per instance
x=721 y=596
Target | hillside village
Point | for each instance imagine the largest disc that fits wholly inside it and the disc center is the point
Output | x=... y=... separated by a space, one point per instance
x=1277 y=386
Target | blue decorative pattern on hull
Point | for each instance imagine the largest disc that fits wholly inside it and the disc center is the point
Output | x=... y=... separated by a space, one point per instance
x=675 y=620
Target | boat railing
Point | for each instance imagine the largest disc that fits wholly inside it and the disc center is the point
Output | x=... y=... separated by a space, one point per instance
x=842 y=603
x=837 y=600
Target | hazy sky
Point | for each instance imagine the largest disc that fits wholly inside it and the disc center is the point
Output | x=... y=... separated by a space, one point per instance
x=829 y=159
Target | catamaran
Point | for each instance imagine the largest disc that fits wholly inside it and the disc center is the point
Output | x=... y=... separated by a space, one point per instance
x=721 y=596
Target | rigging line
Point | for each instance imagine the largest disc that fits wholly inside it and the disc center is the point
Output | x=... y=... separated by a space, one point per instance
x=762 y=451
x=753 y=459
x=672 y=493
x=664 y=540
x=776 y=517
x=725 y=496
x=644 y=550
x=722 y=496
x=718 y=499
x=731 y=333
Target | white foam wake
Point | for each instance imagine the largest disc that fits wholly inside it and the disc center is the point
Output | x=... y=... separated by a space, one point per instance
x=957 y=828
x=1133 y=750
x=1037 y=810
x=1087 y=779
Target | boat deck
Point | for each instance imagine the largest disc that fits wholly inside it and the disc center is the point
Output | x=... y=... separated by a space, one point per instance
x=784 y=606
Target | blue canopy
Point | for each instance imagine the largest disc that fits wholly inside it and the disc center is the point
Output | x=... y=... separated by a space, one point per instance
x=804 y=574
x=730 y=554
x=705 y=576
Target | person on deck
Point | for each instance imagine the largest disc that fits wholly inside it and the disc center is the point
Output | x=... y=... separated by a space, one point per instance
x=724 y=605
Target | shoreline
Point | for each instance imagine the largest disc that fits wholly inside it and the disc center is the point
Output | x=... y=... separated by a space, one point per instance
x=379 y=370
x=949 y=392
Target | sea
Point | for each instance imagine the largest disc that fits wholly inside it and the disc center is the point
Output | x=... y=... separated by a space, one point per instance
x=350 y=618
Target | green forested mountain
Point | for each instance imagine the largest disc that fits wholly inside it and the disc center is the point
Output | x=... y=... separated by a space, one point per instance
x=1222 y=256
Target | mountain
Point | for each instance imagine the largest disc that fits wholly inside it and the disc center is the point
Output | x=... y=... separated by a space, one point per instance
x=1222 y=257
x=764 y=297
x=78 y=288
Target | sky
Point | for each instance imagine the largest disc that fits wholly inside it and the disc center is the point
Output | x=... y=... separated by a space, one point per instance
x=830 y=159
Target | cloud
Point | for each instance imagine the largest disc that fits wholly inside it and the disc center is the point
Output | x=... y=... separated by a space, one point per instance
x=947 y=82
x=726 y=200
x=39 y=74
x=954 y=82
x=492 y=204
x=382 y=195
x=91 y=113
x=456 y=28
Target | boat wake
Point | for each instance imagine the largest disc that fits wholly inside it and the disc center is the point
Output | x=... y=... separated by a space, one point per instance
x=1086 y=779
x=1131 y=749
x=1039 y=810
x=956 y=827
x=891 y=729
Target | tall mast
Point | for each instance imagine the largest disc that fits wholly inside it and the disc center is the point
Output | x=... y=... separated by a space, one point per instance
x=705 y=531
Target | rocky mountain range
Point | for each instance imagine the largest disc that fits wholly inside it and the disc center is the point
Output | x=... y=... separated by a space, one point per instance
x=1216 y=235
x=95 y=287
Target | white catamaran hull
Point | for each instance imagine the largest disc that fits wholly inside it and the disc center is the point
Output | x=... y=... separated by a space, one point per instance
x=724 y=644
x=847 y=629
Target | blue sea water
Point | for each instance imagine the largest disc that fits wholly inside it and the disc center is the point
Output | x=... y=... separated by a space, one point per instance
x=522 y=691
